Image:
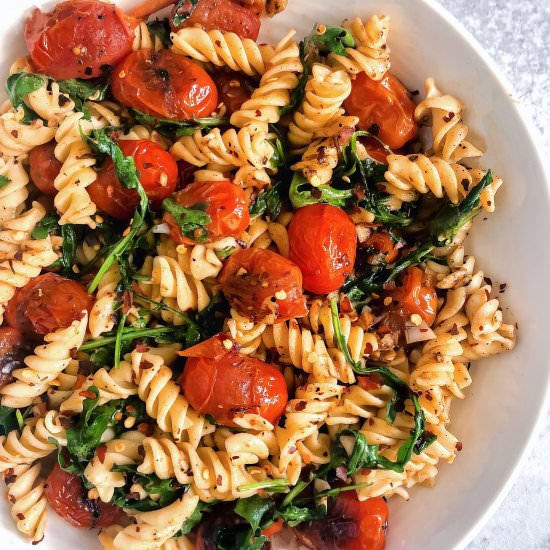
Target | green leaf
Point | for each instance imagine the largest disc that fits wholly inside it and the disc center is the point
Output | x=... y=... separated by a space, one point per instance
x=126 y=173
x=302 y=193
x=278 y=485
x=195 y=518
x=253 y=509
x=182 y=11
x=178 y=128
x=81 y=90
x=297 y=94
x=192 y=221
x=8 y=420
x=270 y=201
x=4 y=181
x=294 y=515
x=330 y=38
x=160 y=28
x=451 y=217
x=18 y=86
x=45 y=226
x=340 y=339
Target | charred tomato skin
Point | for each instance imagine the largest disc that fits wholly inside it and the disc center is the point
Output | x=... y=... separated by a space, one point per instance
x=164 y=84
x=261 y=284
x=13 y=350
x=47 y=303
x=322 y=242
x=78 y=39
x=44 y=167
x=68 y=497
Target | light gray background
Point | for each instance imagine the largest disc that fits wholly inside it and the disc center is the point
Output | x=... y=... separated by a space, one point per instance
x=516 y=33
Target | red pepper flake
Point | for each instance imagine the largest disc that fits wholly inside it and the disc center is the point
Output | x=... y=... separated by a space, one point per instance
x=292 y=450
x=88 y=394
x=219 y=480
x=118 y=416
x=101 y=451
x=80 y=379
x=502 y=287
x=454 y=330
x=35 y=542
x=458 y=446
x=20 y=516
x=142 y=348
x=146 y=365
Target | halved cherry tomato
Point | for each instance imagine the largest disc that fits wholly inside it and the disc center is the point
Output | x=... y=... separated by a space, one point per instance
x=375 y=149
x=322 y=243
x=415 y=295
x=44 y=167
x=263 y=286
x=233 y=89
x=350 y=525
x=68 y=497
x=224 y=15
x=158 y=174
x=227 y=206
x=384 y=108
x=381 y=241
x=273 y=529
x=47 y=303
x=165 y=85
x=78 y=39
x=12 y=352
x=224 y=383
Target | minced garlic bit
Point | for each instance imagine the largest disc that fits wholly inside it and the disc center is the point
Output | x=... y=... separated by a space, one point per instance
x=415 y=319
x=93 y=494
x=280 y=295
x=387 y=301
x=321 y=29
x=227 y=344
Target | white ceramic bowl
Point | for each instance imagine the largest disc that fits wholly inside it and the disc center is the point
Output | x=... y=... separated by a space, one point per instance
x=503 y=406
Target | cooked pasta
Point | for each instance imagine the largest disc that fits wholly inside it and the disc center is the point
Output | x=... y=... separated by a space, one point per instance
x=225 y=276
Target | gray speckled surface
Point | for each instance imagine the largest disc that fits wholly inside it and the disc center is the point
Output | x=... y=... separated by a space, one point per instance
x=516 y=33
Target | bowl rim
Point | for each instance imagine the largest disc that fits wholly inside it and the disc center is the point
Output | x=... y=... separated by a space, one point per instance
x=535 y=143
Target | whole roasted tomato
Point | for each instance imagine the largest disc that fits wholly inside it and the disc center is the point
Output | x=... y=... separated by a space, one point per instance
x=263 y=286
x=78 y=39
x=224 y=383
x=323 y=244
x=164 y=85
x=384 y=108
x=47 y=303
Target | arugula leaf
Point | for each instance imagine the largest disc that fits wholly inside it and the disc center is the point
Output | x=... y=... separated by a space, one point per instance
x=211 y=319
x=297 y=94
x=270 y=201
x=160 y=28
x=8 y=420
x=195 y=518
x=71 y=236
x=330 y=38
x=294 y=515
x=126 y=173
x=4 y=181
x=179 y=128
x=301 y=193
x=278 y=485
x=18 y=86
x=192 y=221
x=253 y=509
x=182 y=11
x=451 y=217
x=80 y=90
x=340 y=339
x=45 y=226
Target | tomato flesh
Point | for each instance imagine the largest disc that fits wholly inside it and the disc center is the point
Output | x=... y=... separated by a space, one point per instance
x=323 y=244
x=158 y=175
x=350 y=525
x=164 y=85
x=44 y=167
x=381 y=241
x=78 y=39
x=223 y=15
x=263 y=286
x=416 y=295
x=227 y=206
x=47 y=303
x=384 y=108
x=12 y=352
x=225 y=384
x=68 y=497
x=233 y=89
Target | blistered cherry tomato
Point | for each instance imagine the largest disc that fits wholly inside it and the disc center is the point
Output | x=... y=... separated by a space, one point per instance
x=375 y=149
x=78 y=39
x=233 y=89
x=384 y=107
x=322 y=243
x=44 y=167
x=226 y=204
x=158 y=175
x=12 y=353
x=262 y=285
x=47 y=303
x=350 y=525
x=68 y=497
x=381 y=241
x=224 y=383
x=415 y=295
x=223 y=15
x=165 y=85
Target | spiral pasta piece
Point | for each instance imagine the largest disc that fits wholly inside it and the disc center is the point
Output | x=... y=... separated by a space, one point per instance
x=42 y=368
x=325 y=91
x=123 y=451
x=154 y=529
x=49 y=103
x=248 y=146
x=102 y=316
x=223 y=49
x=273 y=92
x=34 y=442
x=371 y=54
x=319 y=161
x=14 y=194
x=27 y=501
x=164 y=401
x=245 y=333
x=144 y=40
x=269 y=234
